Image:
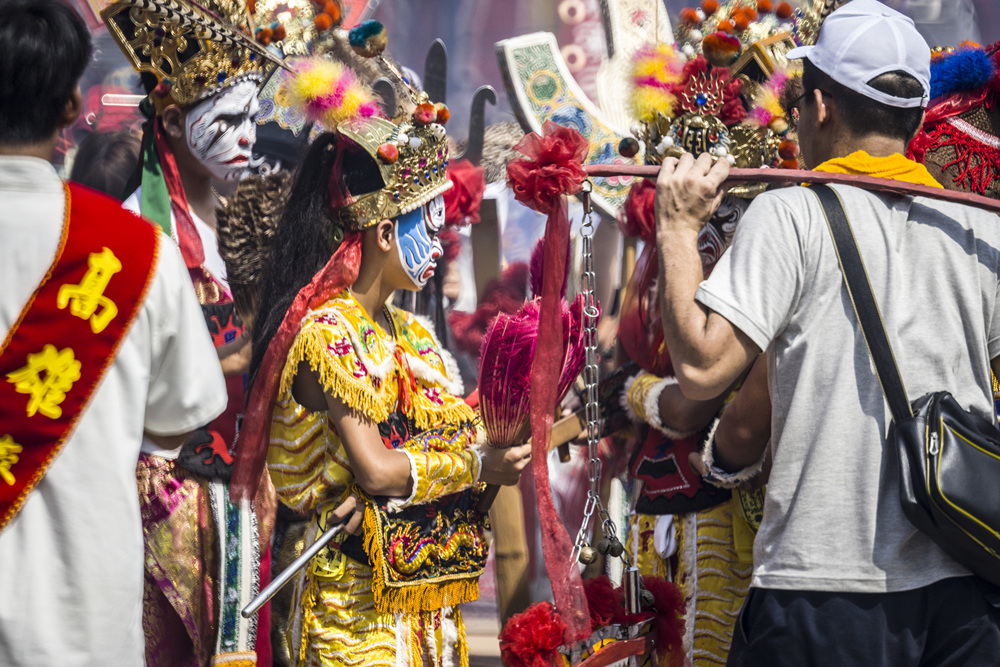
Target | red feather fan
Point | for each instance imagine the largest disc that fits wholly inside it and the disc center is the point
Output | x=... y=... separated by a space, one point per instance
x=505 y=368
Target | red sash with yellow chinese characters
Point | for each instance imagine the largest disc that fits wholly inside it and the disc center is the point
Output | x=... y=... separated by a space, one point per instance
x=68 y=335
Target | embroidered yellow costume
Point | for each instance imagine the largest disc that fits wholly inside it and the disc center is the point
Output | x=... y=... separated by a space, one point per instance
x=342 y=619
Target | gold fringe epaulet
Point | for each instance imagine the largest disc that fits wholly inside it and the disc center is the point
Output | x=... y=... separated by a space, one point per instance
x=337 y=380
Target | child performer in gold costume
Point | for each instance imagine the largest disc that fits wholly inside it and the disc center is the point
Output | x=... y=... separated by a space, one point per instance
x=359 y=398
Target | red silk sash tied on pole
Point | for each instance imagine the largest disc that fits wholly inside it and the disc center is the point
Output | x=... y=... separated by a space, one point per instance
x=554 y=168
x=67 y=336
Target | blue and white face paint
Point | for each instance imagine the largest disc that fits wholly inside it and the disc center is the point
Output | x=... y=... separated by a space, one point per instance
x=417 y=242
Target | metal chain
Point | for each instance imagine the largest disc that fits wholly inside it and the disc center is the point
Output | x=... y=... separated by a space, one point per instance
x=591 y=378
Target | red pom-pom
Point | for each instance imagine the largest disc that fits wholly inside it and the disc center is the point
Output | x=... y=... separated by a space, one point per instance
x=425 y=114
x=721 y=49
x=264 y=35
x=531 y=638
x=788 y=150
x=690 y=16
x=725 y=25
x=323 y=22
x=388 y=152
x=709 y=7
x=443 y=114
x=778 y=125
x=742 y=17
x=789 y=164
x=765 y=6
x=334 y=11
x=252 y=6
x=279 y=33
x=162 y=88
x=784 y=10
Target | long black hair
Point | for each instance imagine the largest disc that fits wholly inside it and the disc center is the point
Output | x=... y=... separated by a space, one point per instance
x=308 y=232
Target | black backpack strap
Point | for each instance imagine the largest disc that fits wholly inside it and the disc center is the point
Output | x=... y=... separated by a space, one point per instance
x=865 y=307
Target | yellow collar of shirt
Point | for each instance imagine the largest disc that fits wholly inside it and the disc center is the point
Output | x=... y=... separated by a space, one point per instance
x=895 y=167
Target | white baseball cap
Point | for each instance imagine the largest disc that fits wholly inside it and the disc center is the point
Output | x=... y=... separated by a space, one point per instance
x=864 y=39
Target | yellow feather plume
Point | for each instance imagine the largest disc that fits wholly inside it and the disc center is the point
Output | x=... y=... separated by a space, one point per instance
x=655 y=69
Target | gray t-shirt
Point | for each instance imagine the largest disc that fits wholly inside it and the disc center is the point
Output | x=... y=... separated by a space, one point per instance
x=832 y=516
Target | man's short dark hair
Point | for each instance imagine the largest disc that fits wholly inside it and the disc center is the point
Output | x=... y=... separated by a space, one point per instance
x=44 y=48
x=864 y=116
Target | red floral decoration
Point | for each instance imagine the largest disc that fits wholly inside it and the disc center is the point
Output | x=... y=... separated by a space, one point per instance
x=553 y=167
x=462 y=201
x=531 y=638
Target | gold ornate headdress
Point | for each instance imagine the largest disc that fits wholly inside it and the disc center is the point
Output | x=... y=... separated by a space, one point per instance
x=194 y=49
x=717 y=90
x=411 y=149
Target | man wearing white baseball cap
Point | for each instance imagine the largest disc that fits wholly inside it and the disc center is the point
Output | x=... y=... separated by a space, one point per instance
x=841 y=577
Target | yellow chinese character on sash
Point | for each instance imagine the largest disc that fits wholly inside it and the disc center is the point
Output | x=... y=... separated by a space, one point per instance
x=8 y=458
x=47 y=377
x=85 y=299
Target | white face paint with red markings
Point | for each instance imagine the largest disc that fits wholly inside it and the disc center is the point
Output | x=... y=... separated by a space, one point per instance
x=417 y=242
x=221 y=131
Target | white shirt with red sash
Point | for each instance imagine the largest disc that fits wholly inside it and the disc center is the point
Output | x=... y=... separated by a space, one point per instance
x=71 y=565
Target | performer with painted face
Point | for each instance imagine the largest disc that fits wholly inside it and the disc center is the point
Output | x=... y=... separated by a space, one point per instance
x=205 y=556
x=358 y=396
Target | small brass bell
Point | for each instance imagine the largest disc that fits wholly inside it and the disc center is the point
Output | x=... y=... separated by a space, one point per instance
x=647 y=598
x=587 y=555
x=603 y=546
x=616 y=548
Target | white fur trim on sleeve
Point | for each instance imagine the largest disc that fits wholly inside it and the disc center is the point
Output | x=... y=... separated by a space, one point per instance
x=397 y=504
x=651 y=405
x=723 y=479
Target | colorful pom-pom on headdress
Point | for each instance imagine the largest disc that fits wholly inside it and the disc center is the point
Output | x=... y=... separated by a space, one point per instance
x=655 y=71
x=410 y=152
x=327 y=92
x=369 y=39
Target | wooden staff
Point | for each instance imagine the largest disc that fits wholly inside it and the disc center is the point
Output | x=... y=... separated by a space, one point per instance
x=795 y=176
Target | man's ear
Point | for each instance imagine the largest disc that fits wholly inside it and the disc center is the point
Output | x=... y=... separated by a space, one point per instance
x=172 y=120
x=72 y=109
x=385 y=234
x=822 y=112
